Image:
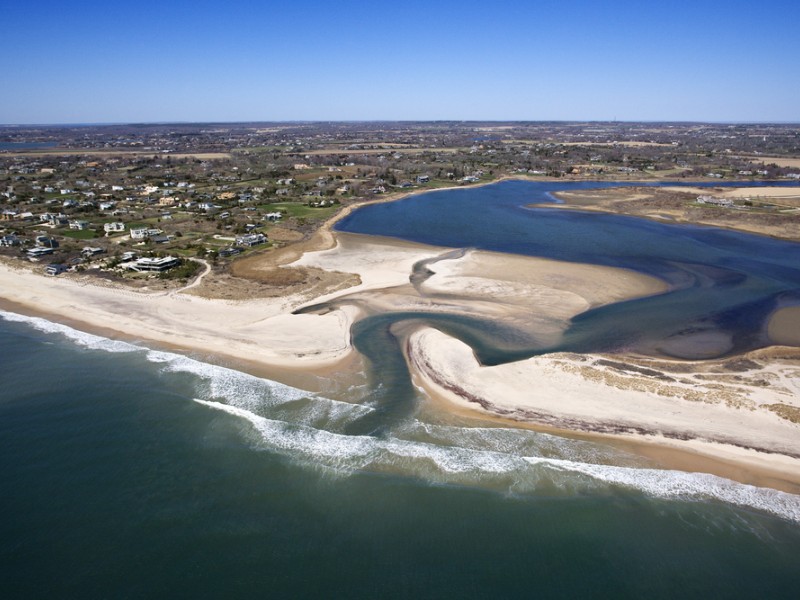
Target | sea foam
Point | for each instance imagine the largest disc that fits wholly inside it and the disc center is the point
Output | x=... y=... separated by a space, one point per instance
x=296 y=421
x=81 y=338
x=458 y=465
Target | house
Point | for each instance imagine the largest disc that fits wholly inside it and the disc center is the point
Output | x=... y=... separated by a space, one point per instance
x=151 y=264
x=8 y=215
x=9 y=240
x=273 y=216
x=89 y=251
x=140 y=233
x=143 y=233
x=232 y=251
x=79 y=225
x=114 y=227
x=423 y=179
x=42 y=241
x=54 y=219
x=54 y=269
x=252 y=239
x=35 y=254
x=725 y=202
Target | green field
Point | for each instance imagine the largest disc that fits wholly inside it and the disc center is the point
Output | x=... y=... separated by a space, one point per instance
x=83 y=234
x=301 y=211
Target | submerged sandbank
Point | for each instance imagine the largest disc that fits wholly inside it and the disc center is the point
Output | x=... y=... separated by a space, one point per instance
x=535 y=296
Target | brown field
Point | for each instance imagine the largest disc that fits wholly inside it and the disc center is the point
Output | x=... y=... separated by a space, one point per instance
x=781 y=161
x=678 y=205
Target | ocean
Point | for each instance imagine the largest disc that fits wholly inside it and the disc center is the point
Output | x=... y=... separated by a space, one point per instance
x=134 y=472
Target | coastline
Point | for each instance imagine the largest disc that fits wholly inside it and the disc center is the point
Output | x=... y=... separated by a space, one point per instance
x=735 y=435
x=268 y=337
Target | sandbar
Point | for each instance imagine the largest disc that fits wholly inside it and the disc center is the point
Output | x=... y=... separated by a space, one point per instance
x=747 y=415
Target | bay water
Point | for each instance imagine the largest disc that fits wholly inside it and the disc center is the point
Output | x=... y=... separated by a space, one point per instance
x=131 y=472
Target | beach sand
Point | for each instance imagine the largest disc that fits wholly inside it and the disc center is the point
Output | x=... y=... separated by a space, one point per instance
x=746 y=417
x=709 y=410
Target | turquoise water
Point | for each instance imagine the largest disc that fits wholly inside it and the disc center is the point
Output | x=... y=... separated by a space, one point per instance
x=134 y=473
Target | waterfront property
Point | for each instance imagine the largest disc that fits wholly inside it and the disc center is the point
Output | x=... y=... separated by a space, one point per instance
x=152 y=264
x=252 y=239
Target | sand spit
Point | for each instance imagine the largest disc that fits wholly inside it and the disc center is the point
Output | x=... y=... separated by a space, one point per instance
x=745 y=410
x=748 y=406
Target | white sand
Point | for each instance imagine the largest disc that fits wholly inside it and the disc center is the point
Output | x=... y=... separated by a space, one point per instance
x=533 y=296
x=575 y=392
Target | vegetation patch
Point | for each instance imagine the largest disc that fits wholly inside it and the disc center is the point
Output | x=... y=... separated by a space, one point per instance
x=784 y=411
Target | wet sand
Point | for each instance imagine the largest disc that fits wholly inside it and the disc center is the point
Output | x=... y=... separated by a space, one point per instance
x=745 y=423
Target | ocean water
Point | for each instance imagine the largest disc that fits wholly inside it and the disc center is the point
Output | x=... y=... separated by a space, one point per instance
x=129 y=472
x=132 y=473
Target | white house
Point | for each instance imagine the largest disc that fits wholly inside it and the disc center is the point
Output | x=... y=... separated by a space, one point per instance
x=149 y=264
x=252 y=239
x=115 y=227
x=140 y=233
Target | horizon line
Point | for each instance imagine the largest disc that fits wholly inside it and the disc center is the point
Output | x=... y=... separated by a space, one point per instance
x=354 y=121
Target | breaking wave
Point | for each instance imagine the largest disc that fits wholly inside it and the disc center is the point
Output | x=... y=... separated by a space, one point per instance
x=307 y=428
x=447 y=464
x=81 y=338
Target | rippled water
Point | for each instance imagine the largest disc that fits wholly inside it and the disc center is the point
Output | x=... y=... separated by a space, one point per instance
x=130 y=472
x=133 y=472
x=724 y=284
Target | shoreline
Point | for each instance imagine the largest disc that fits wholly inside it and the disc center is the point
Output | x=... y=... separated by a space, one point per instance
x=265 y=338
x=576 y=395
x=578 y=201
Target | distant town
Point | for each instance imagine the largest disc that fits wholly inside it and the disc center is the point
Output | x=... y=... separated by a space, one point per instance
x=136 y=202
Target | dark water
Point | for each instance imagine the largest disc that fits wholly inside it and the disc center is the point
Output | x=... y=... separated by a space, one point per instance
x=131 y=473
x=118 y=483
x=722 y=282
x=13 y=146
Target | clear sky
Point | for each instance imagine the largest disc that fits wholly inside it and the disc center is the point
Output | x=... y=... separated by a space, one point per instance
x=241 y=60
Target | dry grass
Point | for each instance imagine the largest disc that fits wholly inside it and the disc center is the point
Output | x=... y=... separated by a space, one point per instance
x=784 y=411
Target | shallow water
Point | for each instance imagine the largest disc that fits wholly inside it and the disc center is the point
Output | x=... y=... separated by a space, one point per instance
x=724 y=284
x=129 y=472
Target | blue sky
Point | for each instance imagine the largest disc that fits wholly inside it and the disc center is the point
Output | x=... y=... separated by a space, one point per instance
x=93 y=62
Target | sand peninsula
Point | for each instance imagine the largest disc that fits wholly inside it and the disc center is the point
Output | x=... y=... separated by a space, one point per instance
x=738 y=417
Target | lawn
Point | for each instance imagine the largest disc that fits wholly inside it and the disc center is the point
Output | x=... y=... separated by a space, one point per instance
x=80 y=234
x=301 y=211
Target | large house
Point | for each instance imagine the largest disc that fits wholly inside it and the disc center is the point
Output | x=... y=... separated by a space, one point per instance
x=114 y=227
x=251 y=239
x=150 y=264
x=143 y=233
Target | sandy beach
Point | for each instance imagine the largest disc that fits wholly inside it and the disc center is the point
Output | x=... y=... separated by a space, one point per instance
x=745 y=413
x=678 y=404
